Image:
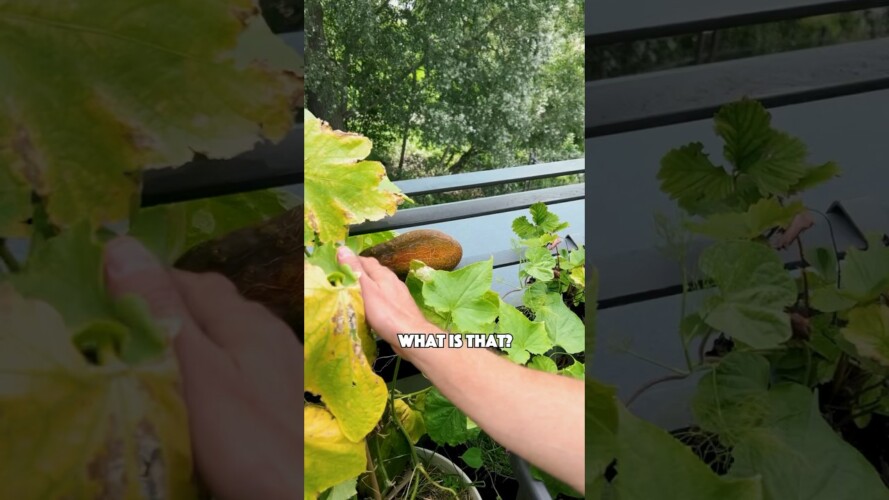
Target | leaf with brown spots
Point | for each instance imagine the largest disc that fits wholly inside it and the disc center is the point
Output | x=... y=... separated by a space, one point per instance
x=94 y=92
x=72 y=428
x=336 y=364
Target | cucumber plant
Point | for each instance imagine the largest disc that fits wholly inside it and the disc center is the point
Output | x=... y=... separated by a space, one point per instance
x=806 y=366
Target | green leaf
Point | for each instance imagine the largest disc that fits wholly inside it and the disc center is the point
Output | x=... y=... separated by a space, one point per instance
x=868 y=331
x=74 y=429
x=601 y=445
x=574 y=370
x=745 y=128
x=524 y=229
x=362 y=242
x=565 y=329
x=465 y=295
x=102 y=92
x=814 y=176
x=547 y=221
x=733 y=396
x=337 y=349
x=653 y=464
x=340 y=188
x=445 y=423
x=170 y=230
x=798 y=455
x=330 y=457
x=688 y=176
x=67 y=272
x=528 y=337
x=753 y=288
x=473 y=457
x=544 y=364
x=540 y=264
x=343 y=491
x=865 y=276
x=760 y=217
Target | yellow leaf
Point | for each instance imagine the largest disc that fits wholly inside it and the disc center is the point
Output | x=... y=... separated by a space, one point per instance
x=330 y=457
x=336 y=366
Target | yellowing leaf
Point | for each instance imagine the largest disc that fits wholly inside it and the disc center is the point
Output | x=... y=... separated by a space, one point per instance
x=340 y=188
x=868 y=330
x=411 y=420
x=336 y=366
x=73 y=429
x=100 y=91
x=330 y=457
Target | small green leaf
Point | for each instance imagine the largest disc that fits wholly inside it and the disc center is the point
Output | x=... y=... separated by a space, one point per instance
x=473 y=457
x=540 y=264
x=574 y=370
x=465 y=295
x=565 y=329
x=814 y=176
x=544 y=364
x=547 y=221
x=688 y=176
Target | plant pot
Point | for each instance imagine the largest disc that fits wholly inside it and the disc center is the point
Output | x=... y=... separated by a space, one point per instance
x=445 y=465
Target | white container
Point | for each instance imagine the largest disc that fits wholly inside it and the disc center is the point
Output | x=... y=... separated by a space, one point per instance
x=443 y=464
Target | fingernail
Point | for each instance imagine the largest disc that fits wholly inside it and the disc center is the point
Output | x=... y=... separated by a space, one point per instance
x=344 y=252
x=125 y=256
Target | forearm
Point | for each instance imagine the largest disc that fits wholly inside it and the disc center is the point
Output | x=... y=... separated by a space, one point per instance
x=538 y=416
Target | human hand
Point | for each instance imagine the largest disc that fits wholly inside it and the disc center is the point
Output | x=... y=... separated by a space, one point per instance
x=241 y=369
x=388 y=305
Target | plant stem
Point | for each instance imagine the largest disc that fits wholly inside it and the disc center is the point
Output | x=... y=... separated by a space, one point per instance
x=656 y=363
x=9 y=260
x=394 y=415
x=653 y=383
x=371 y=467
x=802 y=258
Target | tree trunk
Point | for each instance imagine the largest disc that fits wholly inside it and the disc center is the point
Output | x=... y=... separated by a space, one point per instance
x=461 y=163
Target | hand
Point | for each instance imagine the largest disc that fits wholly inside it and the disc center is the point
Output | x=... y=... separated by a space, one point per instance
x=388 y=305
x=241 y=370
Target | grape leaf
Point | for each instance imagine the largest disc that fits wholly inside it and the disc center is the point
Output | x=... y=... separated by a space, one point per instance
x=868 y=330
x=83 y=430
x=733 y=396
x=445 y=423
x=465 y=295
x=340 y=188
x=565 y=329
x=336 y=364
x=688 y=176
x=528 y=337
x=100 y=92
x=760 y=217
x=754 y=289
x=330 y=457
x=66 y=271
x=799 y=456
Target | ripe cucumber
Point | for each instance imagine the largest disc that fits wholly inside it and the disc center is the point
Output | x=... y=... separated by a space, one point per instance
x=434 y=248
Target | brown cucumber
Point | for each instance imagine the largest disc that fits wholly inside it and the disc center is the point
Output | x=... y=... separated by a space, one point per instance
x=434 y=248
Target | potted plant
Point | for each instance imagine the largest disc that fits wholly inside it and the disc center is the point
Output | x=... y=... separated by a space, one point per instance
x=793 y=394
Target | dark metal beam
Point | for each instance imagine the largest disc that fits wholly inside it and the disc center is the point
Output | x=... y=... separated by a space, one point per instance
x=681 y=95
x=619 y=21
x=429 y=185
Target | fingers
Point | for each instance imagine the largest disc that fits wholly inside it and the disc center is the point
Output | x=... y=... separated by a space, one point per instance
x=130 y=269
x=347 y=257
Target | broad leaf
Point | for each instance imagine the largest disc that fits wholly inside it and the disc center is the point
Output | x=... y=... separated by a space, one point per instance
x=733 y=396
x=341 y=189
x=473 y=457
x=865 y=276
x=601 y=434
x=565 y=329
x=540 y=264
x=411 y=420
x=544 y=364
x=759 y=218
x=868 y=331
x=464 y=295
x=102 y=91
x=547 y=221
x=330 y=457
x=445 y=423
x=653 y=464
x=753 y=288
x=816 y=175
x=336 y=365
x=528 y=337
x=66 y=271
x=799 y=456
x=83 y=430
